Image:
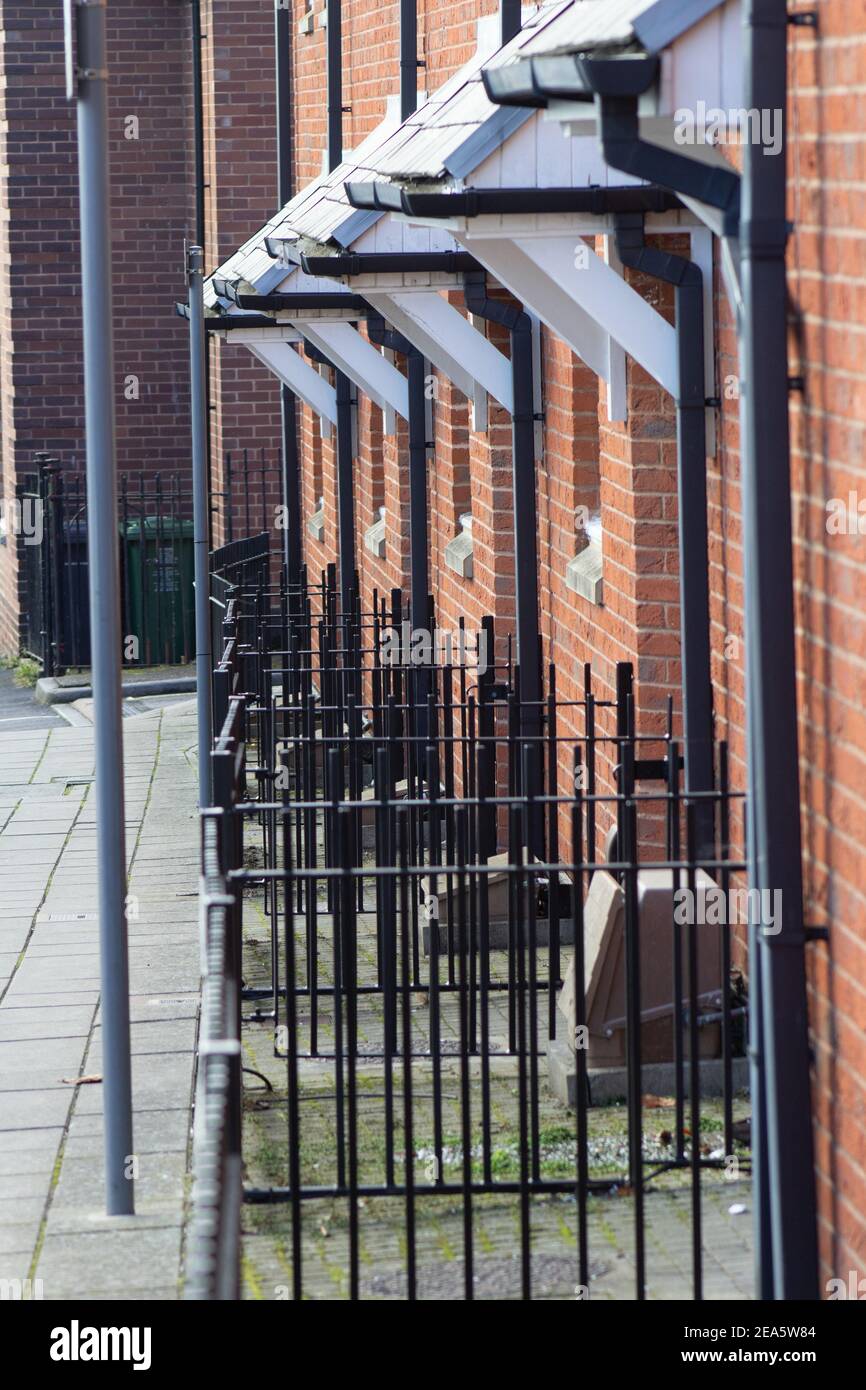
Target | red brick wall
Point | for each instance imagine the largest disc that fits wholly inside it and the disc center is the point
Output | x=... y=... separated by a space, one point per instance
x=40 y=369
x=241 y=173
x=827 y=287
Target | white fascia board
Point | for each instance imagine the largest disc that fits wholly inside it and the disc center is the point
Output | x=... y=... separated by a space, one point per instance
x=509 y=225
x=450 y=342
x=406 y=282
x=361 y=362
x=280 y=333
x=335 y=315
x=295 y=371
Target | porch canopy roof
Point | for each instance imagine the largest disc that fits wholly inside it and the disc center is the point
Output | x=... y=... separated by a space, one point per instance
x=525 y=208
x=449 y=134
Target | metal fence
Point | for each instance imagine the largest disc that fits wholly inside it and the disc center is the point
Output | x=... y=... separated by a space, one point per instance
x=435 y=894
x=213 y=1242
x=155 y=554
x=156 y=568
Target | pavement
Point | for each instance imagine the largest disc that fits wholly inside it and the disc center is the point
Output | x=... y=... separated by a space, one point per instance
x=53 y=1230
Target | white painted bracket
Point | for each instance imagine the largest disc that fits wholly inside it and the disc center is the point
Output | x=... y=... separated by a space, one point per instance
x=586 y=302
x=450 y=342
x=615 y=381
x=547 y=284
x=296 y=373
x=280 y=333
x=361 y=362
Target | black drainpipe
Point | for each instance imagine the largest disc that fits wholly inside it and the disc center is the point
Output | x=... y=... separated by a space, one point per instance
x=519 y=325
x=509 y=20
x=334 y=31
x=419 y=527
x=408 y=57
x=345 y=460
x=754 y=210
x=345 y=493
x=419 y=524
x=774 y=791
x=419 y=537
x=688 y=282
x=624 y=149
x=291 y=479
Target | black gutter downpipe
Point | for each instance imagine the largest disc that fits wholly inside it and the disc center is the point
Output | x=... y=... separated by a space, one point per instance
x=419 y=536
x=519 y=325
x=774 y=790
x=510 y=22
x=419 y=526
x=342 y=386
x=624 y=149
x=688 y=282
x=345 y=494
x=408 y=58
x=291 y=479
x=334 y=30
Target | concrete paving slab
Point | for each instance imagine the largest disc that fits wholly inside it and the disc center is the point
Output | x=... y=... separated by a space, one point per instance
x=49 y=953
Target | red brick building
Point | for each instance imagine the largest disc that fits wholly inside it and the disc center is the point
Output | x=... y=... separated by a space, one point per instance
x=607 y=449
x=624 y=470
x=154 y=212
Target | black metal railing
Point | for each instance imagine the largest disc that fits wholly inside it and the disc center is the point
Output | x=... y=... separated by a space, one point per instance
x=155 y=540
x=250 y=494
x=427 y=851
x=154 y=527
x=213 y=1241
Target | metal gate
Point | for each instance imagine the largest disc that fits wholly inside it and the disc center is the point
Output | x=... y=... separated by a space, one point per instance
x=420 y=858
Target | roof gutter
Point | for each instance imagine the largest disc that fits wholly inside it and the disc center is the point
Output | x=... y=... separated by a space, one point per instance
x=286 y=303
x=395 y=262
x=617 y=85
x=478 y=202
x=221 y=323
x=567 y=77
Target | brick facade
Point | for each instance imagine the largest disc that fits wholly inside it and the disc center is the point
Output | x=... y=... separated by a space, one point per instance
x=41 y=395
x=627 y=471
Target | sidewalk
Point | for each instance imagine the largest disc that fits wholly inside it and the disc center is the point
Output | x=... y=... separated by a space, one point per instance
x=52 y=1226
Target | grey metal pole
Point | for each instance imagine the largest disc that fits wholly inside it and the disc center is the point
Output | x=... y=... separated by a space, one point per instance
x=198 y=401
x=92 y=84
x=291 y=478
x=774 y=790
